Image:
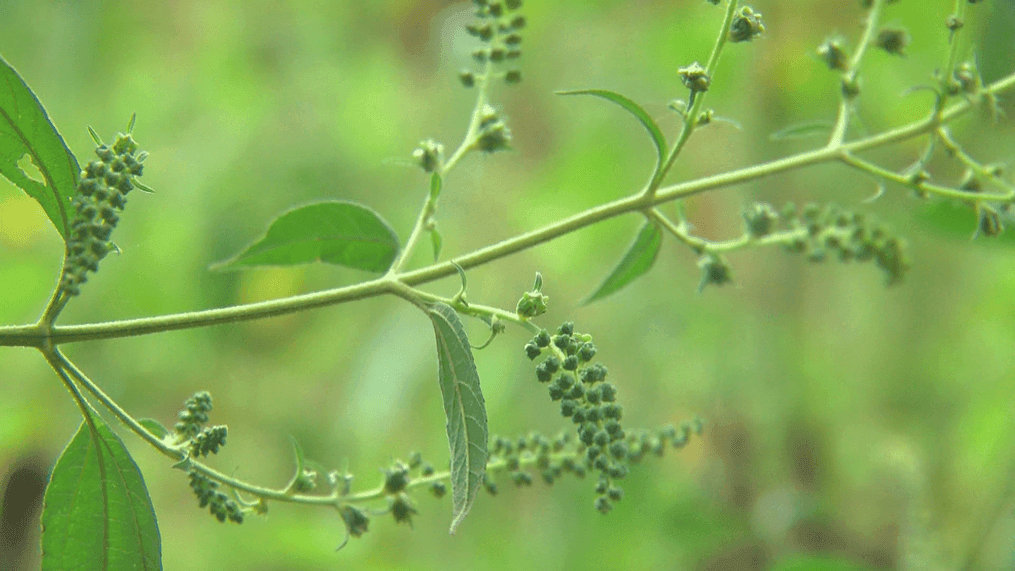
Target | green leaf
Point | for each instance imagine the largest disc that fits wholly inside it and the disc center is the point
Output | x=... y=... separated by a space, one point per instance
x=435 y=186
x=464 y=408
x=97 y=515
x=437 y=242
x=337 y=232
x=154 y=426
x=802 y=131
x=638 y=260
x=653 y=130
x=28 y=139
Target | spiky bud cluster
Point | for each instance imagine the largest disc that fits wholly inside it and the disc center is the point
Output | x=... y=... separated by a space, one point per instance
x=588 y=399
x=746 y=25
x=498 y=26
x=429 y=155
x=892 y=40
x=194 y=414
x=833 y=54
x=220 y=505
x=493 y=133
x=100 y=197
x=819 y=232
x=533 y=303
x=208 y=441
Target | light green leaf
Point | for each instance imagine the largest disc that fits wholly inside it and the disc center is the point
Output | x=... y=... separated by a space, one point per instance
x=97 y=515
x=435 y=186
x=638 y=260
x=634 y=109
x=437 y=242
x=464 y=408
x=337 y=232
x=28 y=139
x=154 y=426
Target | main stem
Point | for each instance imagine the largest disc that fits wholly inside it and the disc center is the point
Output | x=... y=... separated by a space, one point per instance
x=35 y=335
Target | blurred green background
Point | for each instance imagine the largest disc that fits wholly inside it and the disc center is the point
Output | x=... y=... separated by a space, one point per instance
x=849 y=426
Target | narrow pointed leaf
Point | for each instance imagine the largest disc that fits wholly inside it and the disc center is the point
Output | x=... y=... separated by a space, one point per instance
x=97 y=515
x=437 y=242
x=464 y=408
x=435 y=186
x=28 y=139
x=336 y=232
x=638 y=260
x=634 y=109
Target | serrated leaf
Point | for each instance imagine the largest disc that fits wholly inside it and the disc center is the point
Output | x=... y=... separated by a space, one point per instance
x=636 y=261
x=27 y=133
x=634 y=109
x=154 y=426
x=464 y=407
x=97 y=515
x=336 y=232
x=802 y=130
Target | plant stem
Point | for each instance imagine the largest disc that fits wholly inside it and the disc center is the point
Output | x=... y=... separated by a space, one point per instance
x=30 y=335
x=842 y=120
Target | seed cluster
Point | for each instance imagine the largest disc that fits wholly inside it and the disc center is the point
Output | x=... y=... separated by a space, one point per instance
x=589 y=400
x=220 y=505
x=819 y=232
x=100 y=196
x=498 y=26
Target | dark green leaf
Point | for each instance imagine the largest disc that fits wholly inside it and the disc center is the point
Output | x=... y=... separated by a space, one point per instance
x=638 y=260
x=154 y=426
x=30 y=142
x=802 y=130
x=464 y=408
x=337 y=232
x=653 y=130
x=97 y=515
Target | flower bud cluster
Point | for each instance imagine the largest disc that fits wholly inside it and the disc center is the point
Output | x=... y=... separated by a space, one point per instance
x=820 y=232
x=194 y=414
x=101 y=195
x=220 y=505
x=589 y=400
x=498 y=26
x=746 y=25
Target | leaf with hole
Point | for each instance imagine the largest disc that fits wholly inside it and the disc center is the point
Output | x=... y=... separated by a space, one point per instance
x=464 y=408
x=33 y=155
x=97 y=515
x=639 y=259
x=335 y=232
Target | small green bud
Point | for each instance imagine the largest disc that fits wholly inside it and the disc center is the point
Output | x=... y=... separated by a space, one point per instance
x=833 y=55
x=746 y=25
x=892 y=40
x=438 y=489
